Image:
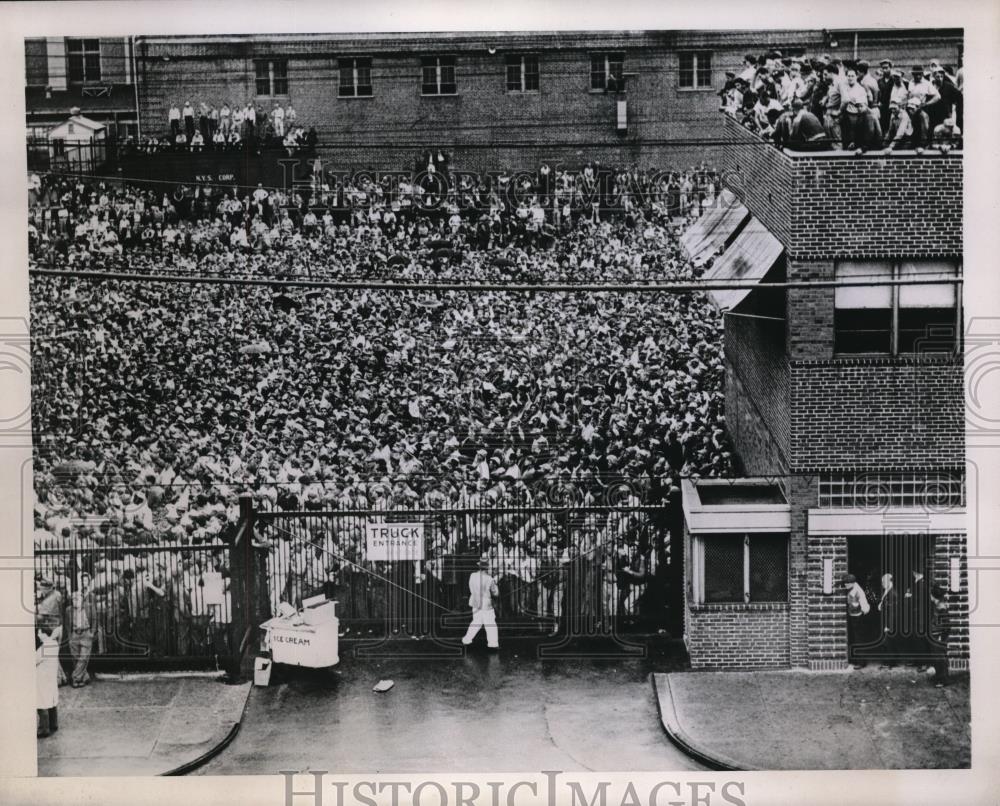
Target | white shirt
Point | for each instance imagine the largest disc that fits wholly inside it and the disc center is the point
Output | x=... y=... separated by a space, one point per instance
x=482 y=590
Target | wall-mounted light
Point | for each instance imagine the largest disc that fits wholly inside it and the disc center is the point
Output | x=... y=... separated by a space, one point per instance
x=828 y=575
x=954 y=574
x=491 y=51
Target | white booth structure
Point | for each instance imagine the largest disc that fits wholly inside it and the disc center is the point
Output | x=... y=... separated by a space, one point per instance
x=77 y=145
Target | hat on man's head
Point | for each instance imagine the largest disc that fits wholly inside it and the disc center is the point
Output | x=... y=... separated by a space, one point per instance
x=849 y=579
x=730 y=75
x=483 y=561
x=885 y=63
x=917 y=69
x=862 y=64
x=897 y=72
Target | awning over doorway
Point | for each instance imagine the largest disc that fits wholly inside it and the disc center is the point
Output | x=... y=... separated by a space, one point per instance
x=747 y=259
x=708 y=235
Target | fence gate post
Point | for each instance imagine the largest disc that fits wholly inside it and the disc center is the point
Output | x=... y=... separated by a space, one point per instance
x=244 y=582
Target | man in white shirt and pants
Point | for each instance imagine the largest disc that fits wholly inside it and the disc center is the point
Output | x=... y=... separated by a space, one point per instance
x=482 y=592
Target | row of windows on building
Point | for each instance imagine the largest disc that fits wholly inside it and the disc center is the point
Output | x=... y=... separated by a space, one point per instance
x=438 y=74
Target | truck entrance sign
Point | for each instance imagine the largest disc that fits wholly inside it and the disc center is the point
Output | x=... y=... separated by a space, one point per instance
x=395 y=541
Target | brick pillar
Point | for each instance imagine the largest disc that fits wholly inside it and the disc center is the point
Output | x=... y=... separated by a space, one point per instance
x=801 y=496
x=827 y=617
x=946 y=547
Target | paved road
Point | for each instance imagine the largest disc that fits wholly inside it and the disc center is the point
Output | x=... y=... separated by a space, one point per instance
x=483 y=712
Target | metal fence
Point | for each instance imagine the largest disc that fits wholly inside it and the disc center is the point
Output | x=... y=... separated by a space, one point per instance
x=165 y=603
x=595 y=569
x=576 y=570
x=69 y=157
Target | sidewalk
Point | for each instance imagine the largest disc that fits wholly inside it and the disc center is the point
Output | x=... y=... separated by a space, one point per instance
x=799 y=720
x=139 y=726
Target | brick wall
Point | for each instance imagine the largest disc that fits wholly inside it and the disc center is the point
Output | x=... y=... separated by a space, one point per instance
x=872 y=207
x=761 y=176
x=810 y=311
x=735 y=636
x=827 y=616
x=738 y=636
x=840 y=206
x=876 y=413
x=800 y=493
x=757 y=394
x=946 y=547
x=483 y=125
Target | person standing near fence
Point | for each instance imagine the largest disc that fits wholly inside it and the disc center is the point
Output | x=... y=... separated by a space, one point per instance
x=81 y=620
x=483 y=591
x=940 y=630
x=47 y=678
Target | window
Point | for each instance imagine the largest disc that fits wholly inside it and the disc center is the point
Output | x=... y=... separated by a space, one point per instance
x=740 y=569
x=606 y=71
x=438 y=75
x=695 y=70
x=938 y=489
x=272 y=76
x=355 y=78
x=522 y=74
x=83 y=60
x=918 y=318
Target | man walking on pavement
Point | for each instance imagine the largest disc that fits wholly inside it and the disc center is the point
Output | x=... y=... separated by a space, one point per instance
x=483 y=591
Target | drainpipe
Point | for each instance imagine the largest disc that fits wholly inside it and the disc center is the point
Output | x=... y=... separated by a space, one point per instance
x=135 y=88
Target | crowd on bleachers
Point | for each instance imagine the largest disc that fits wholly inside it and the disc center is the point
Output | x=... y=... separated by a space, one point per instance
x=204 y=127
x=347 y=225
x=816 y=103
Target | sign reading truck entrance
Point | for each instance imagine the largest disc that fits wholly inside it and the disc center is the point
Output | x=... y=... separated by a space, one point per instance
x=395 y=541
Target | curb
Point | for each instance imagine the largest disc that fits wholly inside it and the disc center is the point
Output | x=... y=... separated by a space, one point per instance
x=212 y=752
x=675 y=732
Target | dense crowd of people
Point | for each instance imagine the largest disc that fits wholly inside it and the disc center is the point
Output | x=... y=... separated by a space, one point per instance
x=157 y=404
x=816 y=103
x=354 y=225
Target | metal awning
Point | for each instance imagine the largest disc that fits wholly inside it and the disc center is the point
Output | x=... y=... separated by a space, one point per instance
x=748 y=258
x=706 y=236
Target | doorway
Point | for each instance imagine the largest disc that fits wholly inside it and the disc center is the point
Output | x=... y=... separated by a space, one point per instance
x=896 y=627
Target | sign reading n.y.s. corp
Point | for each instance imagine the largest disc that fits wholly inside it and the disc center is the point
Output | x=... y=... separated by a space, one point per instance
x=219 y=177
x=394 y=541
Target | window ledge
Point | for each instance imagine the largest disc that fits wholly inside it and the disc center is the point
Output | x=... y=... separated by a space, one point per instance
x=439 y=95
x=887 y=359
x=695 y=89
x=739 y=607
x=355 y=97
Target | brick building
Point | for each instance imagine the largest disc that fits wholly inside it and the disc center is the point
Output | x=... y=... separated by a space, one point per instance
x=94 y=75
x=493 y=100
x=845 y=405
